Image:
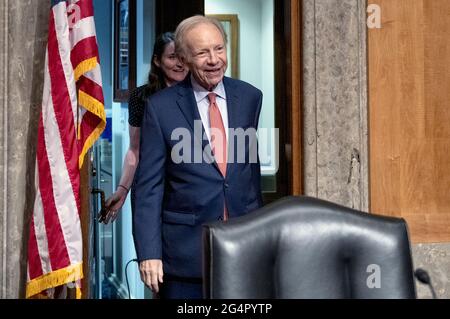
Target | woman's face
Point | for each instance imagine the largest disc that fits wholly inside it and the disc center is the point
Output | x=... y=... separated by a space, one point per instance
x=174 y=71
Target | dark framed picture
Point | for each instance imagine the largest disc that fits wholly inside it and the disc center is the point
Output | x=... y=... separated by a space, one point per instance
x=124 y=49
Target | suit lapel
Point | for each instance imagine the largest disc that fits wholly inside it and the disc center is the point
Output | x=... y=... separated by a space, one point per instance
x=188 y=107
x=233 y=117
x=232 y=102
x=187 y=103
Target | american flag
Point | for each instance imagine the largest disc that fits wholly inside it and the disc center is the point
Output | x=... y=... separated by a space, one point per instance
x=72 y=118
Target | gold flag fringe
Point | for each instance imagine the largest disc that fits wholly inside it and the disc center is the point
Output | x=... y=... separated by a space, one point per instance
x=56 y=278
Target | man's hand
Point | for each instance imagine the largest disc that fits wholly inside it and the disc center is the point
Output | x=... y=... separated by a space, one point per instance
x=151 y=273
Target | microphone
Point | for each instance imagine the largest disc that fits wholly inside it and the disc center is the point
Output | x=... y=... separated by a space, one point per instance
x=423 y=277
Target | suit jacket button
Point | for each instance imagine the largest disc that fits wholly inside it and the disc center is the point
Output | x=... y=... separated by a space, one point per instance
x=226 y=185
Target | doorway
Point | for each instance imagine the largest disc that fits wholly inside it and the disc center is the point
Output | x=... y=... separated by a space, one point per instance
x=266 y=53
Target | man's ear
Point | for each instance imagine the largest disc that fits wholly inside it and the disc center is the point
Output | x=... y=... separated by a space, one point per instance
x=156 y=61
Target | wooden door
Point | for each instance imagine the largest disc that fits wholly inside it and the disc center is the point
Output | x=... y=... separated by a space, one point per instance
x=409 y=101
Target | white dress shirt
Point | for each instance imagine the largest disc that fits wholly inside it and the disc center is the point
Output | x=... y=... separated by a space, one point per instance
x=201 y=97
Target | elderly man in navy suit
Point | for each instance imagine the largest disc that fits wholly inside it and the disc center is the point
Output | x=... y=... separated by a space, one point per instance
x=176 y=190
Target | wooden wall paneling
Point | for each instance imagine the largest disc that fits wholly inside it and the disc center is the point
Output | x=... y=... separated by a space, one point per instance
x=296 y=101
x=409 y=96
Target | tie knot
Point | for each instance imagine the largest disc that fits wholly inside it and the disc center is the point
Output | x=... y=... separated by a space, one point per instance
x=212 y=97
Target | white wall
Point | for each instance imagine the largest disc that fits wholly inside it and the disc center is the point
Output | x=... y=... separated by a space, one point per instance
x=256 y=58
x=249 y=15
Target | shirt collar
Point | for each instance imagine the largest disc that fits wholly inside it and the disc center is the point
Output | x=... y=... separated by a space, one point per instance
x=200 y=92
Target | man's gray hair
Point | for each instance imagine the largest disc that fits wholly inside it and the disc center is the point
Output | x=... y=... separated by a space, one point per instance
x=188 y=24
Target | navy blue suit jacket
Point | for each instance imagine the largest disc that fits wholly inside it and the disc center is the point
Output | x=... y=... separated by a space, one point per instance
x=173 y=200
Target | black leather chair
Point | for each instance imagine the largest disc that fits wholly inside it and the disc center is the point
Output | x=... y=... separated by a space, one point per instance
x=302 y=247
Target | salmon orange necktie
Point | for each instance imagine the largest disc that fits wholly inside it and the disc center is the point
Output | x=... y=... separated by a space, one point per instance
x=218 y=138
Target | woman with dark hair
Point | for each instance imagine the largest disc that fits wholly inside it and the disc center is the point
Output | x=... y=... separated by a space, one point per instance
x=166 y=70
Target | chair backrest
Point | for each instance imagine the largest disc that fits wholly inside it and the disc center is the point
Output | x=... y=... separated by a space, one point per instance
x=302 y=247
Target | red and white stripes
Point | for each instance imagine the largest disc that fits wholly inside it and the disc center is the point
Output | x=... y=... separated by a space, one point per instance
x=67 y=128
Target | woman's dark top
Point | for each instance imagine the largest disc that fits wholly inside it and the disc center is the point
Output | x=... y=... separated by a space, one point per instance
x=136 y=107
